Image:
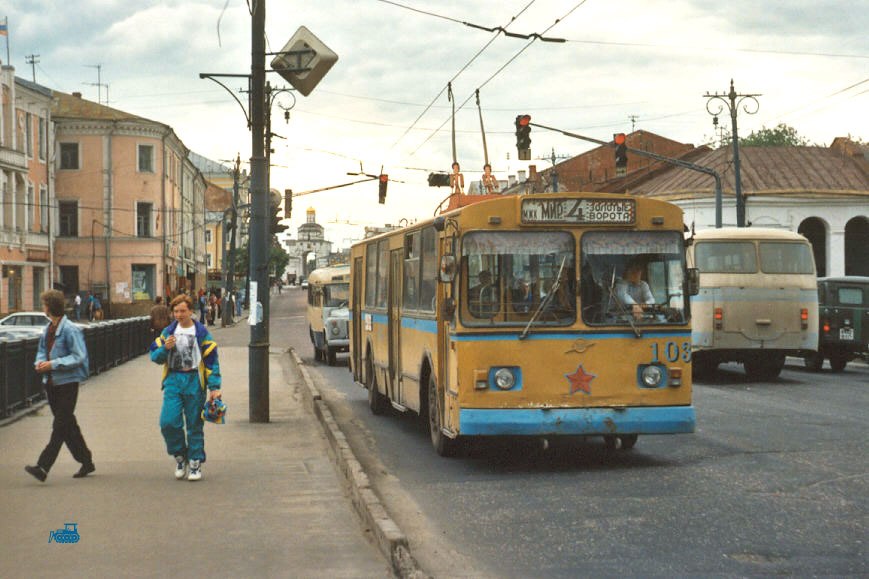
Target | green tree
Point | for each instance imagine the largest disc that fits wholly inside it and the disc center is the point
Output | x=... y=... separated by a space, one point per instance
x=278 y=260
x=781 y=135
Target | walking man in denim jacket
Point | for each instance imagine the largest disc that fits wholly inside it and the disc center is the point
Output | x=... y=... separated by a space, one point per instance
x=62 y=361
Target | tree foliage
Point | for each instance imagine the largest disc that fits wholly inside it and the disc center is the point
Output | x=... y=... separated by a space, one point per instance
x=781 y=135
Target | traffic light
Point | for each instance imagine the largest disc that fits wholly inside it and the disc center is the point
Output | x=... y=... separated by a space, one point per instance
x=523 y=137
x=288 y=203
x=621 y=154
x=275 y=225
x=438 y=180
x=384 y=180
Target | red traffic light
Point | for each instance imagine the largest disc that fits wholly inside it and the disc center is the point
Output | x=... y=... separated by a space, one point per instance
x=384 y=178
x=523 y=120
x=619 y=138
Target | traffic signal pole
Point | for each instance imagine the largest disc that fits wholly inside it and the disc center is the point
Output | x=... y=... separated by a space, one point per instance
x=258 y=349
x=678 y=162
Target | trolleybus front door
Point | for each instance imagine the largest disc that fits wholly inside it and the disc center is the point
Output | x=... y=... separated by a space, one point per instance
x=356 y=358
x=394 y=370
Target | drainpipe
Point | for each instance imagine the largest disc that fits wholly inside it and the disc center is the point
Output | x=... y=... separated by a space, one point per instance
x=49 y=161
x=163 y=212
x=107 y=225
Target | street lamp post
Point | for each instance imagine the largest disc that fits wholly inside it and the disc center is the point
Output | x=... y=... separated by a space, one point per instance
x=733 y=102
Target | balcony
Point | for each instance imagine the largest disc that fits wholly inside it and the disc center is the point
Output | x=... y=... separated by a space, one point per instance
x=12 y=159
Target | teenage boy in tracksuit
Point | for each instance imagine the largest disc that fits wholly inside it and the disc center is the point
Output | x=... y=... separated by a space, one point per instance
x=189 y=357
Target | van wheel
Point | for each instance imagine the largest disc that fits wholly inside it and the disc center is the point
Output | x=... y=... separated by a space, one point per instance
x=443 y=445
x=766 y=368
x=331 y=355
x=838 y=362
x=377 y=402
x=814 y=361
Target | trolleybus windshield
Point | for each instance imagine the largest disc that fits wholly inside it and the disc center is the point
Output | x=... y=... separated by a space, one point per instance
x=630 y=278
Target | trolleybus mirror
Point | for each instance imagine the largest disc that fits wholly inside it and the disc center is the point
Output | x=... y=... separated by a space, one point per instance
x=448 y=268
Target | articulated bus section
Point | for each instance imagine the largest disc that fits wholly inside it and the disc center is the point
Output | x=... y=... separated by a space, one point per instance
x=533 y=315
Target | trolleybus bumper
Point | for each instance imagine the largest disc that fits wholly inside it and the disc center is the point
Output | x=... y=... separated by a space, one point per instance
x=540 y=421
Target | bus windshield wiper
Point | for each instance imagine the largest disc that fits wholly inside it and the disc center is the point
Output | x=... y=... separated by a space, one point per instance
x=546 y=299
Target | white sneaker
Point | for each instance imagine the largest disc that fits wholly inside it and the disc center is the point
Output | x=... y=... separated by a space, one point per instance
x=180 y=467
x=195 y=470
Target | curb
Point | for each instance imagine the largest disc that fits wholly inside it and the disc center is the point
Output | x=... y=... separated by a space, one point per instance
x=390 y=539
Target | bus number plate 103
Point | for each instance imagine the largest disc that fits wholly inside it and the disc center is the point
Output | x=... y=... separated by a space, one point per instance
x=579 y=211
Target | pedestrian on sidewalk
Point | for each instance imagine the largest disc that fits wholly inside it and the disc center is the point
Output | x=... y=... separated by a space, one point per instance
x=189 y=357
x=160 y=317
x=77 y=304
x=62 y=361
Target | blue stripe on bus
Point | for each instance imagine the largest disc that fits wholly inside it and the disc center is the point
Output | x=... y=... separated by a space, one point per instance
x=752 y=295
x=565 y=336
x=537 y=421
x=430 y=326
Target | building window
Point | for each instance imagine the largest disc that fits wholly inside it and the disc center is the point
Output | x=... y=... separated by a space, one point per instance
x=42 y=139
x=143 y=219
x=146 y=158
x=69 y=279
x=208 y=260
x=68 y=218
x=207 y=236
x=29 y=202
x=69 y=156
x=28 y=134
x=43 y=209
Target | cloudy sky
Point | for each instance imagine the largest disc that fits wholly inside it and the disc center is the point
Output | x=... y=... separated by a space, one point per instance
x=625 y=64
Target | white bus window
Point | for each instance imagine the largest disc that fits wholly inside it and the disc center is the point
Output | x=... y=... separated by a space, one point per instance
x=778 y=257
x=850 y=296
x=725 y=257
x=429 y=270
x=336 y=295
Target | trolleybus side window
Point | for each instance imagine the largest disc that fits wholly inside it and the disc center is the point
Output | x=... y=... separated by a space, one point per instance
x=410 y=299
x=778 y=257
x=336 y=295
x=632 y=277
x=370 y=275
x=509 y=275
x=382 y=272
x=429 y=268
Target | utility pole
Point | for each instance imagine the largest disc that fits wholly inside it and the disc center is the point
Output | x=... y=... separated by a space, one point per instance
x=732 y=101
x=229 y=277
x=32 y=60
x=554 y=159
x=633 y=119
x=258 y=350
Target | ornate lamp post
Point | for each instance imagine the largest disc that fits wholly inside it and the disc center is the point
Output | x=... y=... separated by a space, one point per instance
x=733 y=101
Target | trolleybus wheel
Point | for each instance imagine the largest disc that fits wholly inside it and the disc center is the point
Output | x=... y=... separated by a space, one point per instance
x=443 y=445
x=766 y=368
x=628 y=441
x=331 y=355
x=377 y=402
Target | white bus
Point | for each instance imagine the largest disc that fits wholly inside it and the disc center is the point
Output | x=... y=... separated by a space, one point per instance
x=328 y=296
x=758 y=299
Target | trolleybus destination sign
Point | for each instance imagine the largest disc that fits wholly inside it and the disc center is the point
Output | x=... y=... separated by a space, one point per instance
x=587 y=211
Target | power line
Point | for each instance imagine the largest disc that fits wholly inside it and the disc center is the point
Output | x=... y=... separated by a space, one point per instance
x=497 y=72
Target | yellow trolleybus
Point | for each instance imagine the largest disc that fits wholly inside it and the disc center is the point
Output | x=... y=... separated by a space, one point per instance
x=535 y=315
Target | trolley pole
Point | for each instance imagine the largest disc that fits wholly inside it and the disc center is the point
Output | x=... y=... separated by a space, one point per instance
x=258 y=350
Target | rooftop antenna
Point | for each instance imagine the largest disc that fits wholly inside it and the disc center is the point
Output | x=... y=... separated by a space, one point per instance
x=99 y=84
x=32 y=60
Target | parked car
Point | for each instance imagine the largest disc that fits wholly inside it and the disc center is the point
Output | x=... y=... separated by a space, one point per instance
x=23 y=325
x=20 y=325
x=843 y=311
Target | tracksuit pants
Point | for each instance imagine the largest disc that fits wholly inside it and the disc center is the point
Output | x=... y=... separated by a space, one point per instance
x=183 y=399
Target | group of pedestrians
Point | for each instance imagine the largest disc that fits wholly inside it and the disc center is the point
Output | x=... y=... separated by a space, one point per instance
x=191 y=377
x=93 y=307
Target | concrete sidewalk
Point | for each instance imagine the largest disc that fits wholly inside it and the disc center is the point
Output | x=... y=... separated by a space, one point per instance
x=270 y=503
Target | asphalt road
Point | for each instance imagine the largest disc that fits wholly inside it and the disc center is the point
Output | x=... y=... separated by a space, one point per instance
x=773 y=482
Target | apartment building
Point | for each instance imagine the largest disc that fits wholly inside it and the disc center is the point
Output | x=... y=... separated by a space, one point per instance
x=130 y=206
x=25 y=192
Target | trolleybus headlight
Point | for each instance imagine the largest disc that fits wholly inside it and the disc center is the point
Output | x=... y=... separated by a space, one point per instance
x=504 y=378
x=652 y=376
x=334 y=328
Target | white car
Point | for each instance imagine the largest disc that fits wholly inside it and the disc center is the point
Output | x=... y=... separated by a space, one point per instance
x=25 y=325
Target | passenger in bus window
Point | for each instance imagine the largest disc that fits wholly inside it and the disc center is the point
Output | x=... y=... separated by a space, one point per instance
x=482 y=297
x=632 y=291
x=522 y=295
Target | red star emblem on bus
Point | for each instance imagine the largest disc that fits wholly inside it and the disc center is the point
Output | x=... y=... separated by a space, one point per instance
x=580 y=381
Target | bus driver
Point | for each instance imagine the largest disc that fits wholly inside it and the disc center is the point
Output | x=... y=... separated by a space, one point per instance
x=631 y=290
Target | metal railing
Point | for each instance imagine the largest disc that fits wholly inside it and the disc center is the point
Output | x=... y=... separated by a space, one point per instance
x=109 y=344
